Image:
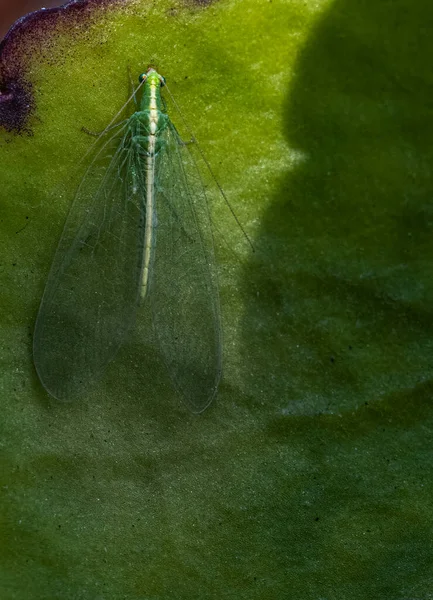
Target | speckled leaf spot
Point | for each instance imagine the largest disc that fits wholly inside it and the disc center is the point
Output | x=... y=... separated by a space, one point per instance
x=138 y=237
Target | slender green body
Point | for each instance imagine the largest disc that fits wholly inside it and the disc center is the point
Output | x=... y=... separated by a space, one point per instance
x=137 y=241
x=154 y=122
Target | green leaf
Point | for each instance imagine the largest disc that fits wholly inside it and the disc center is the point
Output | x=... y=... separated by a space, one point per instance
x=310 y=476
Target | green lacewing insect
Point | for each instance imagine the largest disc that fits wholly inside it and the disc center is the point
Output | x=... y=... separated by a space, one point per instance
x=137 y=238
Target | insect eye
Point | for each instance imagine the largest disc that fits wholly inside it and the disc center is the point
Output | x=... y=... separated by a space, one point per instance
x=142 y=77
x=162 y=81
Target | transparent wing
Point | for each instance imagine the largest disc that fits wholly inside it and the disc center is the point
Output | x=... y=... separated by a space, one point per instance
x=183 y=287
x=91 y=294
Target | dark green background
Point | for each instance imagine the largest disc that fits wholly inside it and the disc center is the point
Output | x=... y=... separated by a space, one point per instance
x=311 y=476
